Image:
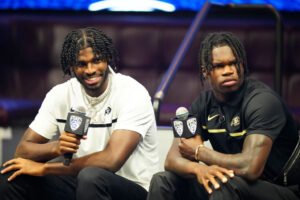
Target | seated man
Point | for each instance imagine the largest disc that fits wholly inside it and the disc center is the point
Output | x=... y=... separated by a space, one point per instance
x=249 y=126
x=117 y=157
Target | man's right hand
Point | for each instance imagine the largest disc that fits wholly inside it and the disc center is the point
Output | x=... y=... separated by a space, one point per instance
x=206 y=175
x=67 y=143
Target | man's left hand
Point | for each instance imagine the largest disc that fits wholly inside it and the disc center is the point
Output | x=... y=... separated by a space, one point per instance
x=23 y=166
x=187 y=147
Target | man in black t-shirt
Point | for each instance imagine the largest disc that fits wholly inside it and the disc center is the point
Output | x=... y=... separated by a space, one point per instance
x=249 y=126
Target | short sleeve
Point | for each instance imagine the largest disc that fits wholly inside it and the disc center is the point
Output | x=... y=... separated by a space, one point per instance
x=264 y=114
x=194 y=107
x=45 y=122
x=136 y=112
x=198 y=109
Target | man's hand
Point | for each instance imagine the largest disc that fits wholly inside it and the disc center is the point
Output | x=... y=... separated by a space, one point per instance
x=187 y=147
x=67 y=143
x=206 y=175
x=23 y=166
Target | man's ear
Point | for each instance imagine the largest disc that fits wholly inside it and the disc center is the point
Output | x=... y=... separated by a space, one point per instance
x=72 y=69
x=204 y=72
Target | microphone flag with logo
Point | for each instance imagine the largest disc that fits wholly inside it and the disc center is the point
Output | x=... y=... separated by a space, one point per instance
x=78 y=124
x=184 y=125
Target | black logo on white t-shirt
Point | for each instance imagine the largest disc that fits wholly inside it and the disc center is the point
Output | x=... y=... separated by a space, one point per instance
x=107 y=111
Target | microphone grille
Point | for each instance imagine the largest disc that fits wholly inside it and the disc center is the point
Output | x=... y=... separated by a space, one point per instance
x=80 y=109
x=182 y=113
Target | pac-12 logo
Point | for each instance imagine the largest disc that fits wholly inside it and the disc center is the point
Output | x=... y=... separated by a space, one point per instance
x=75 y=122
x=178 y=126
x=192 y=125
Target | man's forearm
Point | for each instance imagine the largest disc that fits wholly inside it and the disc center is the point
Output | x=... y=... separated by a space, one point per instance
x=237 y=162
x=37 y=152
x=178 y=164
x=249 y=163
x=103 y=159
x=182 y=167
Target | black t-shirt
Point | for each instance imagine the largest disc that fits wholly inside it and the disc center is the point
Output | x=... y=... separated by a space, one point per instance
x=253 y=109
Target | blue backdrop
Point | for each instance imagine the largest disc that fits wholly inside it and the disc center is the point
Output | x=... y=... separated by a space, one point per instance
x=194 y=5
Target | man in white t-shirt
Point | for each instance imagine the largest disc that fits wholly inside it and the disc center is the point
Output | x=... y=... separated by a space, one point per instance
x=117 y=157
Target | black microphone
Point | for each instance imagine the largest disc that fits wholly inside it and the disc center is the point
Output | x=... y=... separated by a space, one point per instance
x=78 y=124
x=184 y=125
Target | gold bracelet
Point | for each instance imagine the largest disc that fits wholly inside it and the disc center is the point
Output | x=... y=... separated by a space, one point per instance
x=197 y=151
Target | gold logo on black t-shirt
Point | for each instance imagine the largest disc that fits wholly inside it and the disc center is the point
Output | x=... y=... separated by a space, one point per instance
x=235 y=121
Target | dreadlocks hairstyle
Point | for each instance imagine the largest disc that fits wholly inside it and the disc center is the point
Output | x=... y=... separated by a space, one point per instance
x=218 y=40
x=80 y=39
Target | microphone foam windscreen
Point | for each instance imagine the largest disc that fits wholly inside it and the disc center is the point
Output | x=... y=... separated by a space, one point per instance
x=182 y=113
x=79 y=109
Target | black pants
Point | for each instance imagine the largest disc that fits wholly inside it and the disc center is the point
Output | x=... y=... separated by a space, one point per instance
x=92 y=183
x=169 y=186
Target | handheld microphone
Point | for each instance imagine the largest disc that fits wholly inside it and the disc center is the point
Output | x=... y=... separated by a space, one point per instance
x=184 y=125
x=78 y=124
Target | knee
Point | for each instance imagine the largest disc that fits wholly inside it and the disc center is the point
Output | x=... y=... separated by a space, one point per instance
x=4 y=184
x=234 y=188
x=161 y=177
x=237 y=183
x=163 y=180
x=16 y=188
x=91 y=175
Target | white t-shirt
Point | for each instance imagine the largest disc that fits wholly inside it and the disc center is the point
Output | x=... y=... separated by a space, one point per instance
x=127 y=106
